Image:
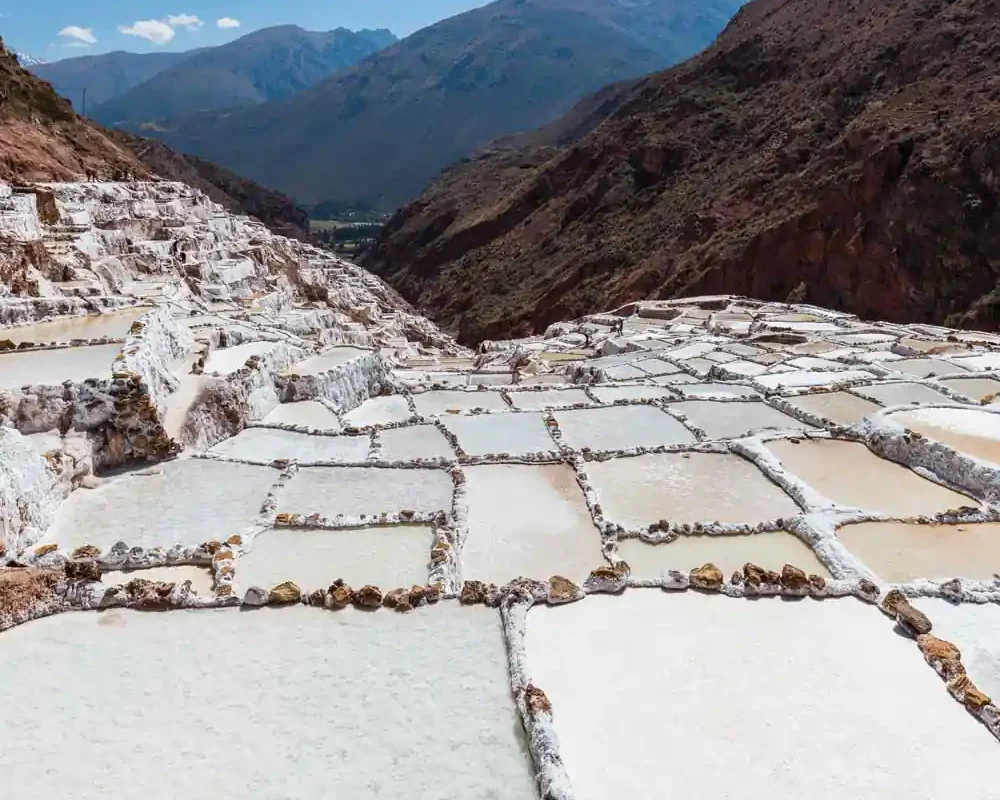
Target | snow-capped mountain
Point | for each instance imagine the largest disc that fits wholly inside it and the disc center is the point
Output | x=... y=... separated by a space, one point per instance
x=27 y=60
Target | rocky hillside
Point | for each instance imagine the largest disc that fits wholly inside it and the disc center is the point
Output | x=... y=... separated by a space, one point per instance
x=43 y=139
x=844 y=152
x=266 y=65
x=377 y=134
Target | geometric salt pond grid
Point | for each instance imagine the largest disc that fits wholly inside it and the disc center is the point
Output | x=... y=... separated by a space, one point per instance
x=399 y=503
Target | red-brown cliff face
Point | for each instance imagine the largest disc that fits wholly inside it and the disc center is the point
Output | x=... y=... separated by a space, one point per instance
x=846 y=151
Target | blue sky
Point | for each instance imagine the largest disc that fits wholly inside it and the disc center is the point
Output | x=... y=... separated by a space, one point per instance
x=54 y=29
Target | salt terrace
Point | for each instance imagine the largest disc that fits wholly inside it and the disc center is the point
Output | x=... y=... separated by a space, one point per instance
x=518 y=572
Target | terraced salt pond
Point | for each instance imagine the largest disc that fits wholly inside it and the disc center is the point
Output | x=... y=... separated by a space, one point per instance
x=621 y=427
x=269 y=444
x=306 y=413
x=900 y=551
x=901 y=394
x=841 y=408
x=970 y=431
x=848 y=473
x=612 y=394
x=686 y=488
x=357 y=491
x=180 y=502
x=973 y=628
x=977 y=389
x=387 y=556
x=114 y=325
x=379 y=411
x=729 y=553
x=516 y=434
x=414 y=442
x=327 y=360
x=439 y=403
x=228 y=360
x=54 y=367
x=552 y=398
x=728 y=420
x=278 y=703
x=528 y=521
x=710 y=660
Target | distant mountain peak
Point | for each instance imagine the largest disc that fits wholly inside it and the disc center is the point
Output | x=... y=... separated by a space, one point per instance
x=27 y=60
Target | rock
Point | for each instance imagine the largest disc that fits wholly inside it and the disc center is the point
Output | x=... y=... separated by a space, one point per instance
x=951 y=590
x=912 y=620
x=212 y=547
x=287 y=592
x=369 y=597
x=150 y=595
x=867 y=591
x=224 y=590
x=608 y=579
x=432 y=594
x=935 y=649
x=473 y=592
x=536 y=701
x=440 y=553
x=675 y=580
x=492 y=595
x=707 y=578
x=794 y=578
x=562 y=590
x=393 y=598
x=87 y=551
x=418 y=595
x=317 y=598
x=817 y=584
x=45 y=549
x=962 y=688
x=341 y=595
x=83 y=571
x=893 y=600
x=235 y=540
x=255 y=597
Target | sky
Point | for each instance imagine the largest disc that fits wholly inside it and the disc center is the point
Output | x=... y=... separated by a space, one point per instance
x=55 y=29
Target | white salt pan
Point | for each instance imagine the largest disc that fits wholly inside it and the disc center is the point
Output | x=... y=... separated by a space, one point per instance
x=973 y=629
x=229 y=359
x=379 y=411
x=308 y=413
x=680 y=695
x=620 y=427
x=516 y=434
x=537 y=401
x=435 y=404
x=268 y=444
x=353 y=491
x=53 y=367
x=274 y=704
x=413 y=442
x=326 y=360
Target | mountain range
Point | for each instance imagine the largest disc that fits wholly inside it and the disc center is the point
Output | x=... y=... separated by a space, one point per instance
x=843 y=152
x=375 y=134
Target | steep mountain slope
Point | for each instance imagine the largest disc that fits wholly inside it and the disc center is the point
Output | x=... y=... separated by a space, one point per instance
x=843 y=151
x=376 y=134
x=266 y=65
x=104 y=76
x=42 y=138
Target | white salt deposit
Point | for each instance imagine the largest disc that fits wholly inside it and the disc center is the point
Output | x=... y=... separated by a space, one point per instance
x=279 y=703
x=680 y=695
x=899 y=394
x=611 y=394
x=325 y=361
x=181 y=502
x=841 y=408
x=436 y=404
x=229 y=359
x=379 y=411
x=387 y=556
x=973 y=629
x=806 y=379
x=528 y=521
x=53 y=367
x=977 y=389
x=413 y=442
x=115 y=325
x=686 y=488
x=968 y=430
x=727 y=420
x=516 y=434
x=357 y=491
x=620 y=427
x=925 y=367
x=268 y=444
x=308 y=413
x=538 y=401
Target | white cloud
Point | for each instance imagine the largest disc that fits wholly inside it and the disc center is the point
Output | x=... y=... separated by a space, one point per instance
x=84 y=36
x=227 y=22
x=153 y=30
x=189 y=21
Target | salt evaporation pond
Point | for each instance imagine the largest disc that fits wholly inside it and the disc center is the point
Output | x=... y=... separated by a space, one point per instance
x=977 y=389
x=528 y=521
x=925 y=367
x=229 y=359
x=901 y=551
x=53 y=367
x=278 y=703
x=723 y=727
x=180 y=502
x=268 y=444
x=686 y=488
x=611 y=394
x=722 y=420
x=307 y=413
x=369 y=491
x=621 y=427
x=552 y=398
x=970 y=431
x=841 y=408
x=901 y=394
x=848 y=473
x=325 y=361
x=729 y=553
x=414 y=442
x=387 y=556
x=114 y=325
x=436 y=404
x=516 y=434
x=379 y=411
